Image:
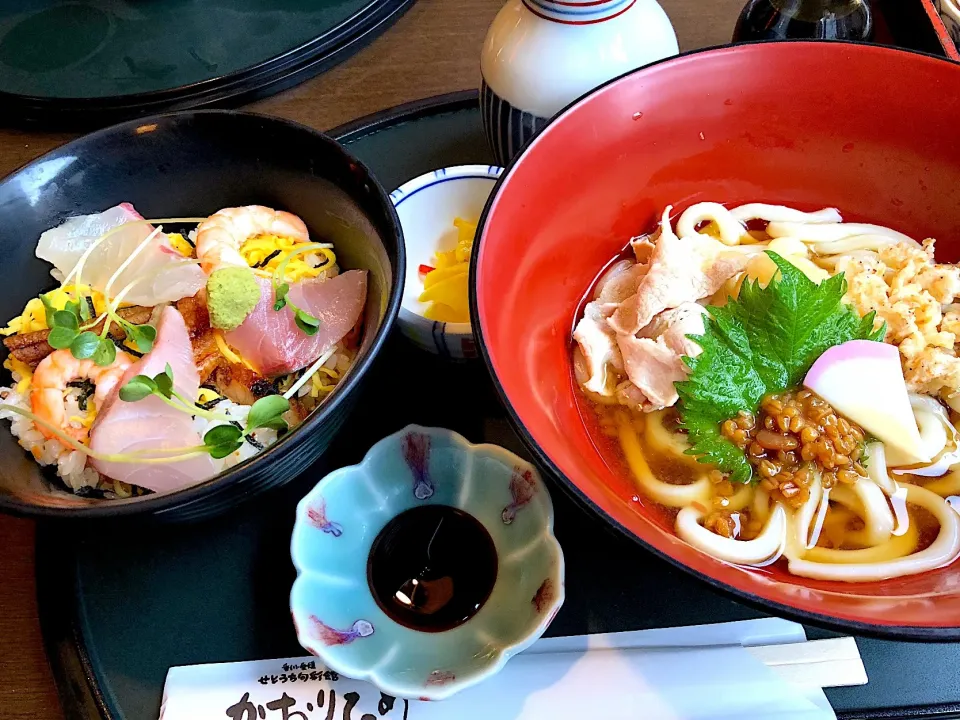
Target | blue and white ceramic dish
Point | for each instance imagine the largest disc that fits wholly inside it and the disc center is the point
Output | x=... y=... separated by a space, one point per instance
x=427 y=207
x=335 y=613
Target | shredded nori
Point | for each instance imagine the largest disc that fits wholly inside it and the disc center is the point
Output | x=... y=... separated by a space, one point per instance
x=86 y=388
x=120 y=346
x=186 y=237
x=93 y=310
x=253 y=441
x=262 y=387
x=84 y=492
x=237 y=425
x=267 y=259
x=209 y=404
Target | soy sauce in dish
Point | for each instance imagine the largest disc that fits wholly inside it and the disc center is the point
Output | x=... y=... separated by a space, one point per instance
x=432 y=568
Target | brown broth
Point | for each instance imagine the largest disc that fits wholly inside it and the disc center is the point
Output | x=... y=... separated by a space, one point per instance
x=676 y=472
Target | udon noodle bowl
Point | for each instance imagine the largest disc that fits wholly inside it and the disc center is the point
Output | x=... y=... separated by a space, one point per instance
x=785 y=386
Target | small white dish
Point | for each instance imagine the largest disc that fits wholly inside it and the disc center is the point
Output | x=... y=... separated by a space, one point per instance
x=427 y=207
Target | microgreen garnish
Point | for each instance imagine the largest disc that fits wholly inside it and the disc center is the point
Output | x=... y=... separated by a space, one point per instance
x=67 y=332
x=219 y=441
x=48 y=309
x=85 y=345
x=280 y=296
x=140 y=335
x=141 y=386
x=223 y=440
x=764 y=341
x=308 y=324
x=64 y=330
x=266 y=412
x=105 y=353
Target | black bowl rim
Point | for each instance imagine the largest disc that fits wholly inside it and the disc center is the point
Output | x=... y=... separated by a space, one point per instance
x=886 y=632
x=153 y=504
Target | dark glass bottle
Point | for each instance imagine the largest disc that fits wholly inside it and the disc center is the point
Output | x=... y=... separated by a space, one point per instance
x=806 y=19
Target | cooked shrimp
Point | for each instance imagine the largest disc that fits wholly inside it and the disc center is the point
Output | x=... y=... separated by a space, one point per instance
x=50 y=382
x=221 y=235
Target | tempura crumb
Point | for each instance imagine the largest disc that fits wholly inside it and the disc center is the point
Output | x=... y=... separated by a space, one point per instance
x=915 y=297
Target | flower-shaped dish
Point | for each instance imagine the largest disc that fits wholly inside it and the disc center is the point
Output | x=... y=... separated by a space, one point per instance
x=337 y=615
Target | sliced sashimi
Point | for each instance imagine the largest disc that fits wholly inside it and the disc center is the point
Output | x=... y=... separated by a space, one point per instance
x=163 y=274
x=270 y=339
x=152 y=425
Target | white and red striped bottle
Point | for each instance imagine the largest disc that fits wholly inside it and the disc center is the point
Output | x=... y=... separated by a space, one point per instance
x=541 y=55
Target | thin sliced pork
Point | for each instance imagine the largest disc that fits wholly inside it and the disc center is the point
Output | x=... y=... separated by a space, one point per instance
x=163 y=274
x=151 y=424
x=679 y=271
x=654 y=360
x=597 y=340
x=271 y=341
x=598 y=345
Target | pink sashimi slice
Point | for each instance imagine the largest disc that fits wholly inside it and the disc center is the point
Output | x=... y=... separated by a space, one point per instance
x=151 y=424
x=271 y=341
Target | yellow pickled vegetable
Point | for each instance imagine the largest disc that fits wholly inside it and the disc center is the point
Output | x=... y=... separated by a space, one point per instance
x=451 y=292
x=445 y=285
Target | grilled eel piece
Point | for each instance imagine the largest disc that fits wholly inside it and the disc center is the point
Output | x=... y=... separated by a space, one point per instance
x=233 y=380
x=31 y=348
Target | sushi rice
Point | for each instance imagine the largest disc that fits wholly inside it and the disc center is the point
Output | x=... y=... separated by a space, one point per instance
x=264 y=254
x=71 y=465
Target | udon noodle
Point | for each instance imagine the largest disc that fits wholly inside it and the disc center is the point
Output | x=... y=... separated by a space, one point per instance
x=827 y=499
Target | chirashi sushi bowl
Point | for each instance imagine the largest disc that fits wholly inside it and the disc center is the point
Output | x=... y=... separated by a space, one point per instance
x=192 y=301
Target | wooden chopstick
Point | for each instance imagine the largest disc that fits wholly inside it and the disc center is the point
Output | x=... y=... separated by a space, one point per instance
x=834 y=662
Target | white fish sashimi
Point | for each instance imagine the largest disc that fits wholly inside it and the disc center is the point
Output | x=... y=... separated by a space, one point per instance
x=152 y=425
x=164 y=275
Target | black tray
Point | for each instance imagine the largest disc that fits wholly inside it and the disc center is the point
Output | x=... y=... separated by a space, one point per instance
x=70 y=65
x=119 y=605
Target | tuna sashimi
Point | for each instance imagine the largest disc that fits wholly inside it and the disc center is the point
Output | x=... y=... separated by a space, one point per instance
x=271 y=341
x=151 y=424
x=164 y=274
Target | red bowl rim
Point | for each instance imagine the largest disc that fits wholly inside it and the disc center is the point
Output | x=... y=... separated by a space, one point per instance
x=884 y=632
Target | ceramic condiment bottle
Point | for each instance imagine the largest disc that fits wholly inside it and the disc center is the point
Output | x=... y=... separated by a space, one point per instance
x=541 y=55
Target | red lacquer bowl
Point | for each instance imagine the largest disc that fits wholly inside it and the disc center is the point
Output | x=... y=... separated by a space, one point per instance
x=871 y=130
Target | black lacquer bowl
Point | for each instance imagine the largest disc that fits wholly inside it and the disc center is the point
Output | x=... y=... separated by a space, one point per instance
x=189 y=165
